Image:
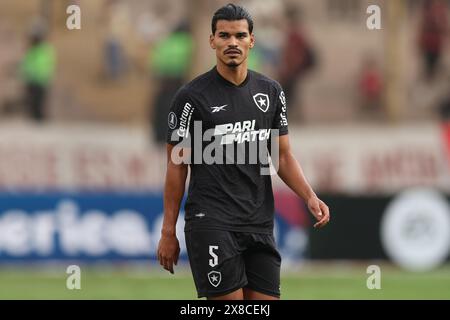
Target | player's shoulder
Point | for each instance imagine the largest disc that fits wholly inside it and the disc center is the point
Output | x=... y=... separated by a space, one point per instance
x=197 y=85
x=265 y=80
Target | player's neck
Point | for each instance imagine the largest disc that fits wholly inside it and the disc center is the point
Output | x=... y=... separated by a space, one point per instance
x=235 y=75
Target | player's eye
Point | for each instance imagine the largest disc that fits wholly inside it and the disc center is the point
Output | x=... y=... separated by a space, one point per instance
x=223 y=35
x=241 y=35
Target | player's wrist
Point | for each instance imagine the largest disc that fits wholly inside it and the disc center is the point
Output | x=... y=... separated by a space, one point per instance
x=168 y=231
x=311 y=196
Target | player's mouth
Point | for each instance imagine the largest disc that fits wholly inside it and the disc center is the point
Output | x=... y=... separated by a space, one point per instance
x=232 y=52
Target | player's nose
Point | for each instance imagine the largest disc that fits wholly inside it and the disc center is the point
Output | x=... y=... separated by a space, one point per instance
x=233 y=42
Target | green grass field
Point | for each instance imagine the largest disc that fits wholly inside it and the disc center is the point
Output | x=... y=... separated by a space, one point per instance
x=334 y=281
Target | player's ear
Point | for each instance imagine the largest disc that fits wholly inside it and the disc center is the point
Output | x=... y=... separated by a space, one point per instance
x=211 y=41
x=252 y=40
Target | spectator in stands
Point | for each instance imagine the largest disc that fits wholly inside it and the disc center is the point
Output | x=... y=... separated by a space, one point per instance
x=432 y=34
x=118 y=28
x=10 y=55
x=267 y=49
x=444 y=110
x=169 y=62
x=444 y=105
x=370 y=86
x=37 y=70
x=297 y=57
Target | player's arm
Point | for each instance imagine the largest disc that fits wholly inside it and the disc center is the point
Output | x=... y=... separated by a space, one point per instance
x=291 y=173
x=169 y=248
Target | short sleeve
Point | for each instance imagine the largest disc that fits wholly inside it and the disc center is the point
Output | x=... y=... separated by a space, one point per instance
x=280 y=121
x=180 y=117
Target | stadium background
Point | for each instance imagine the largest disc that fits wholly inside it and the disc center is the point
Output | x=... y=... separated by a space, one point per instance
x=368 y=113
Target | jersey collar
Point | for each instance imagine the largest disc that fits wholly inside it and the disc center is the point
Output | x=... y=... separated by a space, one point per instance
x=228 y=83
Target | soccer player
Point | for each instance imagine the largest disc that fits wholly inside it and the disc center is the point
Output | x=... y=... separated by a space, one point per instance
x=229 y=211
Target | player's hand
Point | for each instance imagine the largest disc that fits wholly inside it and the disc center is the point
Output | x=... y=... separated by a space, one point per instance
x=168 y=251
x=319 y=210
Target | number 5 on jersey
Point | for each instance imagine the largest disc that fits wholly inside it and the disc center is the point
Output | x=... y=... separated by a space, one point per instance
x=215 y=259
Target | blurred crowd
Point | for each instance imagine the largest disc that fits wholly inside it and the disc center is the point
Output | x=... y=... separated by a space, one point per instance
x=144 y=51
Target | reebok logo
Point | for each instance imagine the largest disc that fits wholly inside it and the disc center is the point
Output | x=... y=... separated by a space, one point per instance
x=217 y=109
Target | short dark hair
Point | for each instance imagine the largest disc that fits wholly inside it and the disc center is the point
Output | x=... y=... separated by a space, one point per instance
x=231 y=12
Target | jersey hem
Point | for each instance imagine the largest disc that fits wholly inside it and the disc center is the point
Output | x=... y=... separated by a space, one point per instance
x=233 y=229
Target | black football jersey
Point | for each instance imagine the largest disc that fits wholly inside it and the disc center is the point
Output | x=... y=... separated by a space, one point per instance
x=226 y=128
